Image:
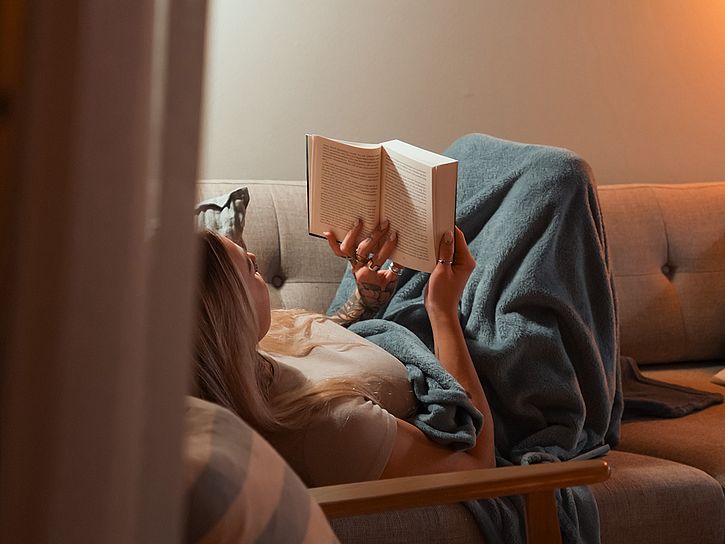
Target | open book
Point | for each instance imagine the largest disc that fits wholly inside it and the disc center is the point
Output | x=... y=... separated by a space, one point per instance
x=412 y=188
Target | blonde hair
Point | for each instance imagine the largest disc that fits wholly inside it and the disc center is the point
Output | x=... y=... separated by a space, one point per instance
x=233 y=371
x=291 y=334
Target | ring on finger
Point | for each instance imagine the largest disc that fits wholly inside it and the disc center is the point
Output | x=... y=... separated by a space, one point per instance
x=396 y=270
x=443 y=261
x=372 y=266
x=363 y=256
x=356 y=259
x=353 y=259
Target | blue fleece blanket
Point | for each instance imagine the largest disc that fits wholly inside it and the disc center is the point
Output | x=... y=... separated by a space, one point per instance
x=538 y=315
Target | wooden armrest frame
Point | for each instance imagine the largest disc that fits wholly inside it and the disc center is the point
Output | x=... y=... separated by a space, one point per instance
x=536 y=482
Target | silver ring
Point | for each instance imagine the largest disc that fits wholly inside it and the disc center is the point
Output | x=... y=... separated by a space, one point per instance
x=372 y=266
x=396 y=270
x=443 y=261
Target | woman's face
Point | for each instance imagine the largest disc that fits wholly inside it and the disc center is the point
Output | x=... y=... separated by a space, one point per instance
x=246 y=263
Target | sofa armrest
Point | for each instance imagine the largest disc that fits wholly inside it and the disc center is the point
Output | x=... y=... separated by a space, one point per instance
x=536 y=482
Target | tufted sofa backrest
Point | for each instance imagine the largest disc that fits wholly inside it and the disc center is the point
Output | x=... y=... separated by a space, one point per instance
x=667 y=245
x=300 y=269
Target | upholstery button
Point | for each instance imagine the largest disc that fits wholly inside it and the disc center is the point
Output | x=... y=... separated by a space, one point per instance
x=667 y=270
x=277 y=281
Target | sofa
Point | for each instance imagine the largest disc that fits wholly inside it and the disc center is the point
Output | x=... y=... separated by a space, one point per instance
x=667 y=244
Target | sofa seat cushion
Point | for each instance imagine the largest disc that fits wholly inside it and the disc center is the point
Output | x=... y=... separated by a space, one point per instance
x=452 y=523
x=696 y=439
x=649 y=500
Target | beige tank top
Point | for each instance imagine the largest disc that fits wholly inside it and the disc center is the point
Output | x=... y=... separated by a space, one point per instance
x=353 y=440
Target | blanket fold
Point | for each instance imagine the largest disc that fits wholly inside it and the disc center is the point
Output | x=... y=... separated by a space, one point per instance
x=445 y=412
x=647 y=397
x=538 y=314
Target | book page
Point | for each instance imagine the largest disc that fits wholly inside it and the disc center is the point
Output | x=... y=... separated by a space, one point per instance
x=406 y=201
x=344 y=184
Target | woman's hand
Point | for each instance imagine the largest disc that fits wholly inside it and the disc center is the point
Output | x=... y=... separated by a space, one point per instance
x=375 y=286
x=446 y=283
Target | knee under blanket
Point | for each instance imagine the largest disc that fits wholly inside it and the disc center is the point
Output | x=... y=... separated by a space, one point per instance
x=538 y=314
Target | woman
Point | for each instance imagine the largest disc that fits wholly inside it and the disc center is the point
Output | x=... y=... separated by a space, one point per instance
x=334 y=404
x=540 y=325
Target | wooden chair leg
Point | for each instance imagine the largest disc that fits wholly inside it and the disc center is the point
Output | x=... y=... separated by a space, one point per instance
x=542 y=520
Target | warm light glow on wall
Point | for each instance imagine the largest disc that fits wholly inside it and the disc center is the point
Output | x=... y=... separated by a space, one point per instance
x=636 y=87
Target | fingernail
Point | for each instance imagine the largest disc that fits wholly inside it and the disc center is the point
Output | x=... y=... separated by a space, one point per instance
x=384 y=225
x=392 y=236
x=326 y=234
x=448 y=237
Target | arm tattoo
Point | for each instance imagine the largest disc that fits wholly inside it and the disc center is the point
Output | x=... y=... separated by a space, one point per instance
x=364 y=303
x=375 y=297
x=351 y=311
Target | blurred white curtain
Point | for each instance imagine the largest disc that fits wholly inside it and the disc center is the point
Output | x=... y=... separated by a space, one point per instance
x=97 y=294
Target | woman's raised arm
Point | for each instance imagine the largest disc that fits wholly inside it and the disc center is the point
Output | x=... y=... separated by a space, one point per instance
x=413 y=453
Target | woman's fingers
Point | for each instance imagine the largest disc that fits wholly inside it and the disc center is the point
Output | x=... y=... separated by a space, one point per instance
x=446 y=250
x=453 y=249
x=348 y=243
x=391 y=240
x=448 y=280
x=462 y=253
x=346 y=247
x=371 y=243
x=332 y=242
x=378 y=246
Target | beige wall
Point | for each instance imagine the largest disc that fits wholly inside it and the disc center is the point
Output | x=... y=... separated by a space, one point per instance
x=636 y=87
